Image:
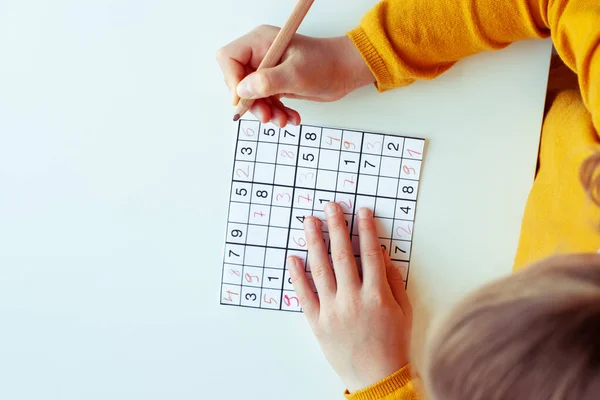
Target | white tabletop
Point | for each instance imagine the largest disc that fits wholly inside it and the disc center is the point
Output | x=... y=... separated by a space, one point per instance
x=115 y=148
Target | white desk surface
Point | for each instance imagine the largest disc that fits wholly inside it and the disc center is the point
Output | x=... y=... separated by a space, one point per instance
x=115 y=151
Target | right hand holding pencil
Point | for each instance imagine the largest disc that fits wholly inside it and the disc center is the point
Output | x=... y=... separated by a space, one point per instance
x=311 y=69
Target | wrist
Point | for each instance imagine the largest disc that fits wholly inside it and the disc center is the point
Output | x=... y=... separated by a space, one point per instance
x=353 y=66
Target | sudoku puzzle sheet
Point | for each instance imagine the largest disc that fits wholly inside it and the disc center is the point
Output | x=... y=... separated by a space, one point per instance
x=282 y=175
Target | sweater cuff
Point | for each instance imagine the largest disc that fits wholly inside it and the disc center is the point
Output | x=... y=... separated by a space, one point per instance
x=384 y=387
x=372 y=58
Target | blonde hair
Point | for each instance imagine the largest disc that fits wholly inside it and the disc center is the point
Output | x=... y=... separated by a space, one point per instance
x=534 y=335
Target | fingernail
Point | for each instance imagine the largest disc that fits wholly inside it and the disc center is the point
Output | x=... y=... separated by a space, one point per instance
x=331 y=209
x=258 y=114
x=365 y=213
x=245 y=89
x=310 y=225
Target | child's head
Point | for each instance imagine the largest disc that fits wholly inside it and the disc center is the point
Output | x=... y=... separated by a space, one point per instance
x=532 y=336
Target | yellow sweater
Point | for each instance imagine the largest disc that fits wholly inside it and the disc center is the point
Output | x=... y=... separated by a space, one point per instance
x=406 y=40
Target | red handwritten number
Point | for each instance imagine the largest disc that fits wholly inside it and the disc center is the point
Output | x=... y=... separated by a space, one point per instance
x=251 y=278
x=246 y=172
x=288 y=154
x=331 y=139
x=348 y=145
x=349 y=181
x=270 y=300
x=246 y=131
x=234 y=272
x=413 y=152
x=259 y=214
x=288 y=300
x=229 y=294
x=282 y=195
x=307 y=198
x=300 y=242
x=408 y=229
x=347 y=205
x=371 y=146
x=408 y=170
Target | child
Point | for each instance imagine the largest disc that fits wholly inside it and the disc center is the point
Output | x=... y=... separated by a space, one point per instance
x=529 y=336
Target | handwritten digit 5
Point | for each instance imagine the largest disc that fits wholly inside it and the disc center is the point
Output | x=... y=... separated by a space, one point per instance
x=282 y=195
x=269 y=300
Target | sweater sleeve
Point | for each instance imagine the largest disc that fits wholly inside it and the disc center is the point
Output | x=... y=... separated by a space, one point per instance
x=398 y=386
x=406 y=40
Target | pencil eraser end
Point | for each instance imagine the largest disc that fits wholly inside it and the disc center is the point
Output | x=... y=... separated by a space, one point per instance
x=236 y=117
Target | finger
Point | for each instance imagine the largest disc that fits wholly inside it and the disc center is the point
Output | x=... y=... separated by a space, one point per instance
x=266 y=82
x=233 y=71
x=261 y=110
x=293 y=115
x=373 y=264
x=318 y=258
x=397 y=284
x=346 y=272
x=278 y=117
x=308 y=299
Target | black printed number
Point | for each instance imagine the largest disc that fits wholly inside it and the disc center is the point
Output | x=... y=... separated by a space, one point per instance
x=236 y=233
x=232 y=253
x=393 y=146
x=369 y=164
x=408 y=189
x=286 y=133
x=269 y=132
x=241 y=192
x=398 y=249
x=263 y=194
x=251 y=297
x=405 y=209
x=308 y=157
x=311 y=136
x=246 y=151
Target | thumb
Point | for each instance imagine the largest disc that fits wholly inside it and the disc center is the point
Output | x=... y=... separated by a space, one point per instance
x=264 y=83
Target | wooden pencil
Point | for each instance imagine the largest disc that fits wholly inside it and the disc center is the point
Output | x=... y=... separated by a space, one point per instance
x=280 y=44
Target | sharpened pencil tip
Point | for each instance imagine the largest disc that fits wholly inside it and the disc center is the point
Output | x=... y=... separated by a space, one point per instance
x=236 y=117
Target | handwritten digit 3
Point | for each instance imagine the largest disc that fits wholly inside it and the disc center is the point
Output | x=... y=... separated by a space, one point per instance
x=282 y=195
x=305 y=177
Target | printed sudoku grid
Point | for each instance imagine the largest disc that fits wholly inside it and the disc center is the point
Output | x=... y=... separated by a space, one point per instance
x=282 y=175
